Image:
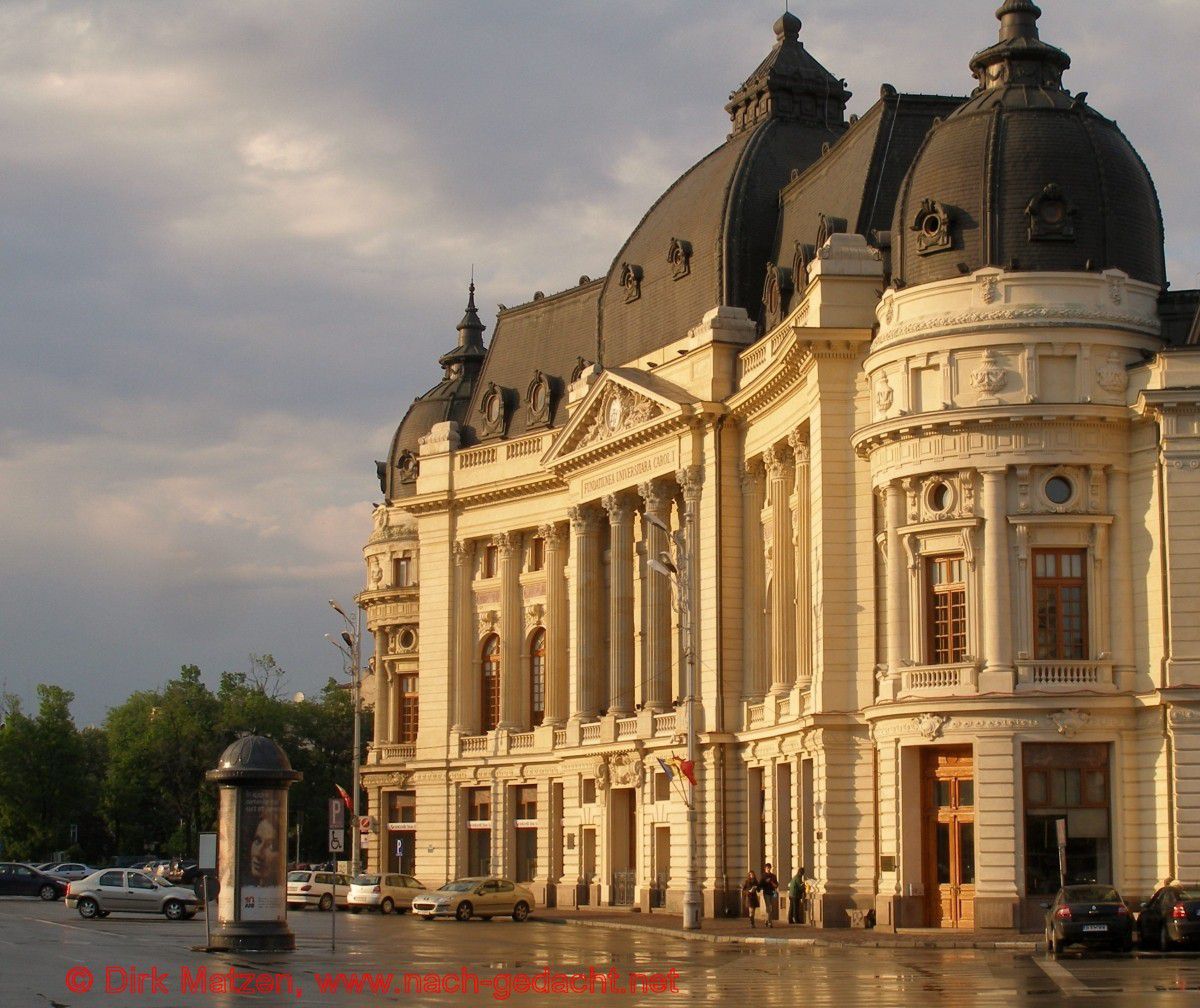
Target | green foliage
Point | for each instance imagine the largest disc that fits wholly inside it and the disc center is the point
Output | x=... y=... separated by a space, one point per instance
x=137 y=784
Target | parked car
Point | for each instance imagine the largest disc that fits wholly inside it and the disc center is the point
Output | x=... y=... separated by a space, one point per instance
x=1171 y=918
x=384 y=893
x=1091 y=915
x=25 y=880
x=316 y=888
x=111 y=889
x=69 y=870
x=181 y=872
x=480 y=897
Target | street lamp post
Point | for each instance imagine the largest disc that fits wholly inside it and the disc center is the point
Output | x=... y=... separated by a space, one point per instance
x=678 y=570
x=352 y=636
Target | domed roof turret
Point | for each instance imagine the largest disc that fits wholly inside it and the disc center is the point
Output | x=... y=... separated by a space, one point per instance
x=706 y=241
x=447 y=400
x=1026 y=176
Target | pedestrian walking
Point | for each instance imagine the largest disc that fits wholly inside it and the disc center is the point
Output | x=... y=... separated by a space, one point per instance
x=750 y=895
x=768 y=884
x=796 y=897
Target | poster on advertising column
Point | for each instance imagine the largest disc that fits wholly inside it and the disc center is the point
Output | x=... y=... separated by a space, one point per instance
x=261 y=887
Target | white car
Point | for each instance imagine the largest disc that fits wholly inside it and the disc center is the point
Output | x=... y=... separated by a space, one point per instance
x=316 y=888
x=384 y=893
x=480 y=897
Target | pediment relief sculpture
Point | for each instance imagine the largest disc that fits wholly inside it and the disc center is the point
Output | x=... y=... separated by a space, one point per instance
x=618 y=410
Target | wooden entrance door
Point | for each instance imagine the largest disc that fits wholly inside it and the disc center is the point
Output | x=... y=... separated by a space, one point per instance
x=948 y=840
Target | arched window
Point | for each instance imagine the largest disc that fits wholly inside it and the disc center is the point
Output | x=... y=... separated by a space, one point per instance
x=490 y=706
x=537 y=677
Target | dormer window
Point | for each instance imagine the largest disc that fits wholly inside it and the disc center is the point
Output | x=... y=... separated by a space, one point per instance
x=932 y=225
x=631 y=281
x=1051 y=217
x=494 y=413
x=537 y=398
x=407 y=464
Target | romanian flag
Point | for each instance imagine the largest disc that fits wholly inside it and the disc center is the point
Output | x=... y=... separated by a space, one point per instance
x=686 y=768
x=666 y=768
x=345 y=797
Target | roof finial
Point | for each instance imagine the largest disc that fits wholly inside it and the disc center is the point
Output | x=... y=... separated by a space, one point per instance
x=1018 y=19
x=788 y=26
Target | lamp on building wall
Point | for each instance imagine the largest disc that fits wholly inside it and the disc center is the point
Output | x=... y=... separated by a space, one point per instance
x=676 y=568
x=351 y=637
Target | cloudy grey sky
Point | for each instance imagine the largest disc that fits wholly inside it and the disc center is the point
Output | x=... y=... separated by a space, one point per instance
x=235 y=236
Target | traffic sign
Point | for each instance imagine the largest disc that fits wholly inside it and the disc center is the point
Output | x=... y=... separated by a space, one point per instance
x=337 y=814
x=336 y=841
x=364 y=824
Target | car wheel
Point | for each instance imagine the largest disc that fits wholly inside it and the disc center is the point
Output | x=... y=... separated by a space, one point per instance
x=1164 y=940
x=326 y=902
x=521 y=912
x=387 y=906
x=48 y=892
x=88 y=908
x=464 y=911
x=174 y=910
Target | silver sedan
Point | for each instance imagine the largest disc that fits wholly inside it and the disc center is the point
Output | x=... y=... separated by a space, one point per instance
x=480 y=897
x=111 y=889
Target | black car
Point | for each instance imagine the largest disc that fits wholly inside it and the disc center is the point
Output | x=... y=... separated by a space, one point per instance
x=23 y=880
x=1091 y=915
x=1171 y=918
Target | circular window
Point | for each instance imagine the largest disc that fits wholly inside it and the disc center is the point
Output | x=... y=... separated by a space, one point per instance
x=408 y=639
x=538 y=399
x=1052 y=211
x=932 y=224
x=1059 y=490
x=493 y=409
x=939 y=497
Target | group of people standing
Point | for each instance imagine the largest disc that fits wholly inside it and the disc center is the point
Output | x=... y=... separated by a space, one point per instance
x=764 y=889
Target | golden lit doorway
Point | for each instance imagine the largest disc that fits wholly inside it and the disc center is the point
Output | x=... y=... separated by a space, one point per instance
x=948 y=837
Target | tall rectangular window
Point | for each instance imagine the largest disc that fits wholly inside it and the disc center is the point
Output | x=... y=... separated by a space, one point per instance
x=402 y=571
x=537 y=554
x=1059 y=604
x=409 y=708
x=947 y=612
x=491 y=561
x=537 y=677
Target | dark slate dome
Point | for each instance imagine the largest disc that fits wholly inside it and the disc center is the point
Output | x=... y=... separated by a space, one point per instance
x=447 y=400
x=1025 y=176
x=707 y=239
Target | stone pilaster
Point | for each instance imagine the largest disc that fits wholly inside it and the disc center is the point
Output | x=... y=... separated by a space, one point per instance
x=556 y=625
x=802 y=546
x=897 y=571
x=465 y=717
x=783 y=574
x=381 y=690
x=586 y=659
x=998 y=671
x=512 y=632
x=656 y=663
x=754 y=680
x=620 y=605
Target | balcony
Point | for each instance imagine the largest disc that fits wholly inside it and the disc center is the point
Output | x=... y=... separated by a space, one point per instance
x=393 y=752
x=547 y=739
x=940 y=680
x=1064 y=675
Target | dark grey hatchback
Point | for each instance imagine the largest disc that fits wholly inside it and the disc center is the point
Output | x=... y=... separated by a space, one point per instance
x=1091 y=915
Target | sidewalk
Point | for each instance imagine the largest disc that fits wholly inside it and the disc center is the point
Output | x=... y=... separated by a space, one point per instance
x=737 y=931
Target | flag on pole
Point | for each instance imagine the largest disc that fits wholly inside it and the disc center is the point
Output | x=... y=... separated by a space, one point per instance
x=688 y=769
x=666 y=768
x=345 y=796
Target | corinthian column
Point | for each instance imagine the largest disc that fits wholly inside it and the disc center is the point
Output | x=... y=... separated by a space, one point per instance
x=620 y=605
x=466 y=661
x=512 y=632
x=556 y=625
x=754 y=674
x=656 y=662
x=997 y=612
x=802 y=543
x=783 y=590
x=380 y=686
x=896 y=571
x=585 y=658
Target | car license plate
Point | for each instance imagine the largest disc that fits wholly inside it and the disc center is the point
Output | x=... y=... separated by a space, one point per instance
x=1095 y=927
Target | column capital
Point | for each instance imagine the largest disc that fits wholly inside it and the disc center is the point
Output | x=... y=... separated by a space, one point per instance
x=691 y=481
x=583 y=518
x=798 y=442
x=775 y=462
x=658 y=494
x=464 y=549
x=551 y=534
x=619 y=507
x=507 y=543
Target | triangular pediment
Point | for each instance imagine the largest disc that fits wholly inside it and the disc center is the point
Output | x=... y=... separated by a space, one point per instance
x=621 y=402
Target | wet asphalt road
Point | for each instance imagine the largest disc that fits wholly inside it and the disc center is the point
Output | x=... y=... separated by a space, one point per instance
x=41 y=942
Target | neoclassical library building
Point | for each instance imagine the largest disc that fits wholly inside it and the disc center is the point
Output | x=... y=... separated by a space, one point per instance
x=889 y=423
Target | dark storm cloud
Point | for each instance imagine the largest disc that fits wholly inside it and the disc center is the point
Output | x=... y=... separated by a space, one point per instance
x=236 y=236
